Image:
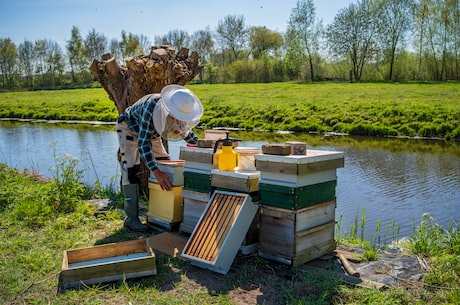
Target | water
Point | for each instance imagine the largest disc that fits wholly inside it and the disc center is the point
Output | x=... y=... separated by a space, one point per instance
x=391 y=181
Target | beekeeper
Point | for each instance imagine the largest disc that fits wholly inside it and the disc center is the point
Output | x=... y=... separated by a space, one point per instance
x=169 y=115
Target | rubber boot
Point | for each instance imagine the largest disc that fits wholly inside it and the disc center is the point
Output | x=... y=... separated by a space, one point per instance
x=131 y=207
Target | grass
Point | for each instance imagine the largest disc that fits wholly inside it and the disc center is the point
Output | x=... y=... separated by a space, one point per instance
x=383 y=109
x=42 y=218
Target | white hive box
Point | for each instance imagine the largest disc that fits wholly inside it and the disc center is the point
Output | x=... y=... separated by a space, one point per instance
x=317 y=166
x=174 y=169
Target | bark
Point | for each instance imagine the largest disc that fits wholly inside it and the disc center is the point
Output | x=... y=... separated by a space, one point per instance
x=144 y=74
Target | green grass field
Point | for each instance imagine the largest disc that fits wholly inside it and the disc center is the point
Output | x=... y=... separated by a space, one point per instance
x=374 y=109
x=41 y=219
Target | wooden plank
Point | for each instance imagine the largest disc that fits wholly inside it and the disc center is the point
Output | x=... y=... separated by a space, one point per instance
x=276 y=149
x=104 y=251
x=344 y=278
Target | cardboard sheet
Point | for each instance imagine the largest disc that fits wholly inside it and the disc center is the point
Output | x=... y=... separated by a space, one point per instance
x=168 y=243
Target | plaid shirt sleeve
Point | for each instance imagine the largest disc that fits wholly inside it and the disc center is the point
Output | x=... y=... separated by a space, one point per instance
x=146 y=134
x=191 y=138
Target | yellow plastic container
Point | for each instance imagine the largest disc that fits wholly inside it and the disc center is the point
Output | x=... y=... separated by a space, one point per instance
x=226 y=159
x=166 y=206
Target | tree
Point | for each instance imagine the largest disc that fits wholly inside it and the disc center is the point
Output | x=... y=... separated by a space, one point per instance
x=233 y=35
x=55 y=62
x=304 y=32
x=176 y=38
x=49 y=61
x=8 y=54
x=393 y=21
x=130 y=45
x=95 y=45
x=26 y=62
x=351 y=36
x=202 y=42
x=263 y=40
x=76 y=55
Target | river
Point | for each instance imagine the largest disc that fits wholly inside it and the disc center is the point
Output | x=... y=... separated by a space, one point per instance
x=392 y=181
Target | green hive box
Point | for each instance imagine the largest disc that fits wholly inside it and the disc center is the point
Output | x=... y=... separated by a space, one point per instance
x=197 y=182
x=295 y=198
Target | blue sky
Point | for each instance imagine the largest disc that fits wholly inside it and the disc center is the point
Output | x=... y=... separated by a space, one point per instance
x=53 y=19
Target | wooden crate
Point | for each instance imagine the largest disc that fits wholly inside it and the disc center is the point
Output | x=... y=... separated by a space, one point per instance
x=296 y=237
x=194 y=205
x=246 y=182
x=106 y=263
x=220 y=231
x=296 y=198
x=165 y=207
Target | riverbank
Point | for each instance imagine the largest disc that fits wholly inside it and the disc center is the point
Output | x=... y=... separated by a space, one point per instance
x=379 y=110
x=33 y=237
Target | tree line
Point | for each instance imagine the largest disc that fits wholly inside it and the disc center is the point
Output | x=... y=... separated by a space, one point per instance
x=368 y=40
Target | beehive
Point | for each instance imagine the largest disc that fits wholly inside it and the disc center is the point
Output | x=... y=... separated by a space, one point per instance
x=220 y=231
x=296 y=237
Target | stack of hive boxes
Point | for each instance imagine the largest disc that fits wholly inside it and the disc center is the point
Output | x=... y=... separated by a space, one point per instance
x=197 y=188
x=297 y=205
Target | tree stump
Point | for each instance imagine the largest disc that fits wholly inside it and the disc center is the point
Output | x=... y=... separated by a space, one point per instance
x=142 y=75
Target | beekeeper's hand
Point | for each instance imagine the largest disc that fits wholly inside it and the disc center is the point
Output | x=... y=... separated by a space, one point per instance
x=163 y=179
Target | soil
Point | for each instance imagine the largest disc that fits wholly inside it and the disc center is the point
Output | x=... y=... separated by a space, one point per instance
x=254 y=280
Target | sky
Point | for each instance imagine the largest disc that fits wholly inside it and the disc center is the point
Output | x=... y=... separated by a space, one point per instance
x=53 y=19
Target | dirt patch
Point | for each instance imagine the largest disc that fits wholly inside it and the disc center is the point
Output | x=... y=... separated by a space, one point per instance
x=254 y=280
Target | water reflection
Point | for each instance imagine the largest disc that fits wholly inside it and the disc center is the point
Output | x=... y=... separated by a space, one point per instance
x=389 y=179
